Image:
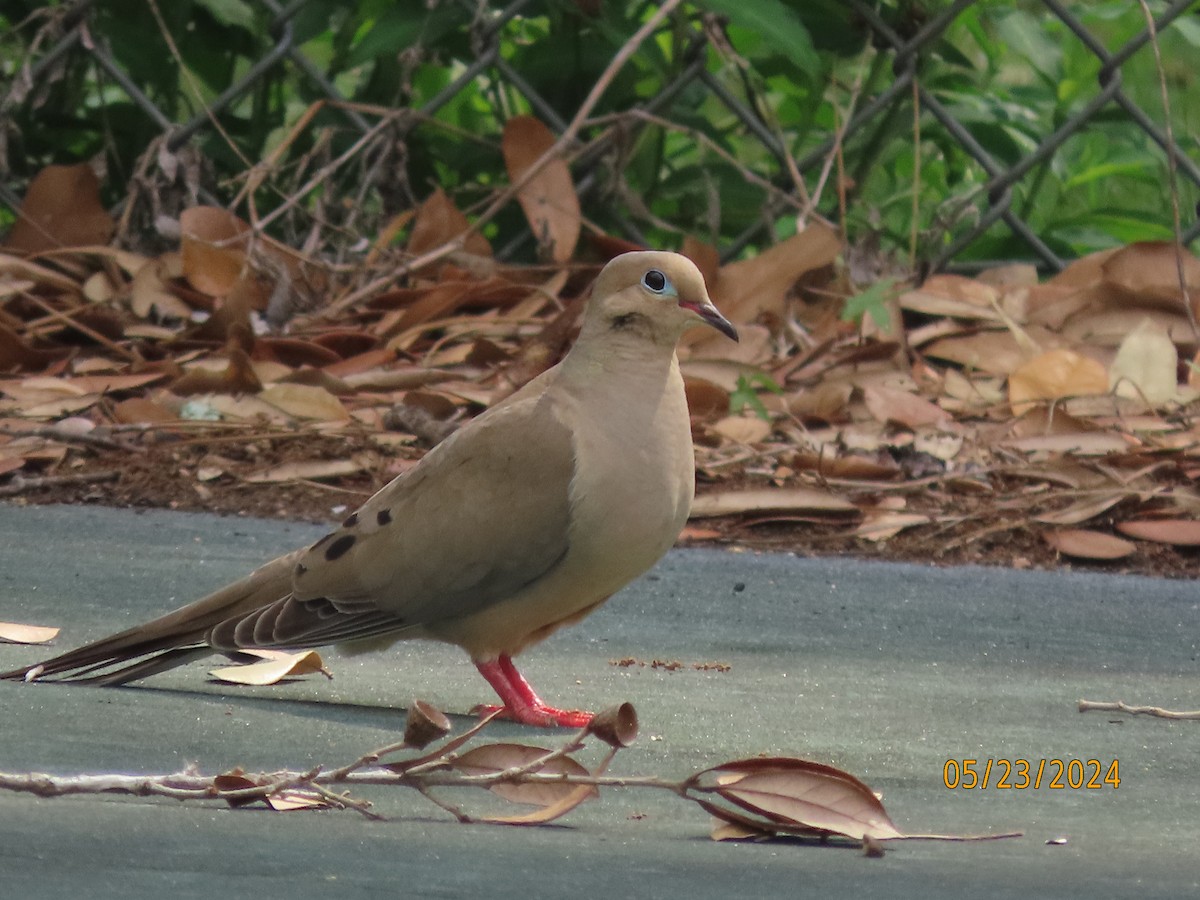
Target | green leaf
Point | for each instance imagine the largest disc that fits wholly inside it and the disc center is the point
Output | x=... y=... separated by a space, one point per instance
x=778 y=26
x=230 y=12
x=745 y=394
x=872 y=301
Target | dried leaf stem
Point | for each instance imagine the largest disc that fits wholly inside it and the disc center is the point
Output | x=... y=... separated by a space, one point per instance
x=437 y=769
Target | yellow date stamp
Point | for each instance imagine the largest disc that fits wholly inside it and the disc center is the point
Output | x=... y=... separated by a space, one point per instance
x=1019 y=774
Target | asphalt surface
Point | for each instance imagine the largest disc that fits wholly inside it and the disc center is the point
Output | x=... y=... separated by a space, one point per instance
x=887 y=671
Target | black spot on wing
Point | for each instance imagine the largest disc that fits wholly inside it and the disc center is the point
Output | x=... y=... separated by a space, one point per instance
x=301 y=569
x=338 y=548
x=351 y=520
x=384 y=516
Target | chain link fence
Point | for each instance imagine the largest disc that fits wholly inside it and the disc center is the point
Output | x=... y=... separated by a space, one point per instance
x=331 y=168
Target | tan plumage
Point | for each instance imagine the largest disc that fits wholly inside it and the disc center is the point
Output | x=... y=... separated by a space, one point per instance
x=521 y=522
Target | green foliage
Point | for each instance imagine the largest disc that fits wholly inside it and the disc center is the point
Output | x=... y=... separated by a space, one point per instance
x=1006 y=69
x=745 y=395
x=872 y=301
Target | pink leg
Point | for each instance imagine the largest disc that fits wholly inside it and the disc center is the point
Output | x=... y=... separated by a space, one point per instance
x=521 y=703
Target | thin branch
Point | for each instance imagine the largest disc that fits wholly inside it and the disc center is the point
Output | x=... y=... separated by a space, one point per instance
x=1172 y=167
x=1122 y=706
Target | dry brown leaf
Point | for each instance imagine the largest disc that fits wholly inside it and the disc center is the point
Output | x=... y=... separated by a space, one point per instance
x=16 y=354
x=955 y=296
x=748 y=288
x=213 y=247
x=14 y=633
x=737 y=831
x=1086 y=544
x=61 y=209
x=906 y=408
x=143 y=410
x=1085 y=509
x=1145 y=365
x=1108 y=327
x=439 y=221
x=236 y=377
x=492 y=758
x=742 y=429
x=705 y=400
x=1150 y=269
x=1178 y=532
x=993 y=352
x=548 y=199
x=706 y=257
x=149 y=296
x=881 y=525
x=735 y=502
x=784 y=794
x=275 y=667
x=305 y=401
x=1053 y=375
x=316 y=470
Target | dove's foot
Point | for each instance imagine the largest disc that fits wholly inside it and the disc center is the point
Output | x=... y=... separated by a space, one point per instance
x=521 y=703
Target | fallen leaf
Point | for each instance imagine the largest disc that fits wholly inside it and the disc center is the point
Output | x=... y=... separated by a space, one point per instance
x=1178 y=532
x=730 y=503
x=315 y=470
x=1145 y=365
x=1085 y=544
x=905 y=408
x=881 y=525
x=1053 y=375
x=273 y=669
x=705 y=400
x=1085 y=509
x=492 y=758
x=1084 y=443
x=742 y=429
x=1151 y=269
x=439 y=221
x=782 y=794
x=548 y=198
x=305 y=402
x=61 y=209
x=748 y=288
x=13 y=633
x=737 y=831
x=213 y=248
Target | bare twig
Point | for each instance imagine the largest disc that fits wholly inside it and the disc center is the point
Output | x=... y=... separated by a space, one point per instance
x=19 y=484
x=1122 y=706
x=55 y=433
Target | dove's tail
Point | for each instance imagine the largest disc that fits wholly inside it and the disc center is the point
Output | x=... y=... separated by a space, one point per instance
x=168 y=641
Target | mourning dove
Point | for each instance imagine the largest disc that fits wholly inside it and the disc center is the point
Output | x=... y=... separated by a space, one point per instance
x=523 y=521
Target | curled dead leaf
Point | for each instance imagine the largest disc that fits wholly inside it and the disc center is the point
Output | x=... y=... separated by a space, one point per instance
x=795 y=796
x=275 y=667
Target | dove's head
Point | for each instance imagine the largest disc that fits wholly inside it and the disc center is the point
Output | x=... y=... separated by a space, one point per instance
x=653 y=293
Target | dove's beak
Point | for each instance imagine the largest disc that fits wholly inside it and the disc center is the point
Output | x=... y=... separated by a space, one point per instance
x=711 y=316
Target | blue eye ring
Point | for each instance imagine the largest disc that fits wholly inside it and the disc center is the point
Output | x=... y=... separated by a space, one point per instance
x=655 y=281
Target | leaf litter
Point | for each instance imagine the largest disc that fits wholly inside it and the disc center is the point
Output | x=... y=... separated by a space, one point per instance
x=999 y=418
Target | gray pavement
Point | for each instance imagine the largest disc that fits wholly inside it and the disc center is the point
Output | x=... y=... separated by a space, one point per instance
x=884 y=670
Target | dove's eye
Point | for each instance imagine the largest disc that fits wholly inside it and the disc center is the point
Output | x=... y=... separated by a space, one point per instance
x=655 y=280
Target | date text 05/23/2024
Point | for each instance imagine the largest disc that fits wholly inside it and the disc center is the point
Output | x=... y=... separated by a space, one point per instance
x=1030 y=774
